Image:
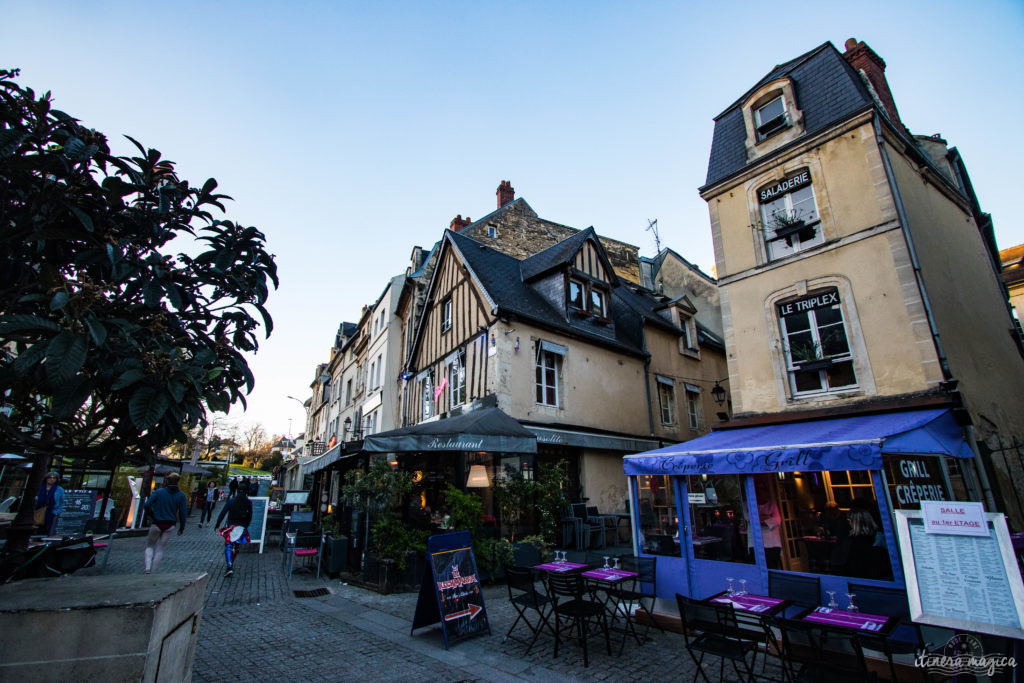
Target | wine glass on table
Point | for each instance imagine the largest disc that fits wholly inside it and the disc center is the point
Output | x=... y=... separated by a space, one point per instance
x=606 y=563
x=832 y=604
x=743 y=587
x=616 y=561
x=730 y=592
x=851 y=607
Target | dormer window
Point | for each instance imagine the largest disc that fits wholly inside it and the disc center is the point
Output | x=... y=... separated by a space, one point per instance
x=770 y=118
x=575 y=294
x=492 y=231
x=597 y=302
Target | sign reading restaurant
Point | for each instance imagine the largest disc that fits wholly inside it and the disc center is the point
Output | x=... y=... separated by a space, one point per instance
x=823 y=299
x=778 y=188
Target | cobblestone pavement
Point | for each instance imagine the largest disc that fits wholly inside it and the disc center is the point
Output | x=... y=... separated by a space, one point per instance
x=254 y=628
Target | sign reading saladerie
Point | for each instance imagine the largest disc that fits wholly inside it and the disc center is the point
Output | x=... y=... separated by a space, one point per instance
x=777 y=189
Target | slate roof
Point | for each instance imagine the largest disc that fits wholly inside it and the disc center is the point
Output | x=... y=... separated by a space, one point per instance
x=555 y=255
x=827 y=90
x=503 y=281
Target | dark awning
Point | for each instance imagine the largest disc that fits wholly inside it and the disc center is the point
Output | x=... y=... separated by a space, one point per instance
x=487 y=429
x=847 y=443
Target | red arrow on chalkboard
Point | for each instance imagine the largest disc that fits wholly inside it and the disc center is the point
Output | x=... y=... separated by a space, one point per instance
x=472 y=611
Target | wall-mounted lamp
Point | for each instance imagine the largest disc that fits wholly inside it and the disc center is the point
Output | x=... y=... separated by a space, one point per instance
x=718 y=392
x=478 y=478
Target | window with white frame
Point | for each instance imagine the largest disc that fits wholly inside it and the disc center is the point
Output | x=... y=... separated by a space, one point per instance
x=549 y=369
x=770 y=118
x=446 y=315
x=492 y=231
x=693 y=407
x=348 y=392
x=597 y=302
x=456 y=371
x=817 y=348
x=369 y=378
x=382 y=321
x=789 y=215
x=428 y=394
x=380 y=366
x=666 y=399
x=576 y=292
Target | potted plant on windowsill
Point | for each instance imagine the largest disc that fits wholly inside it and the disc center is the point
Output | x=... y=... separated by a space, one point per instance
x=581 y=312
x=809 y=357
x=601 y=320
x=786 y=227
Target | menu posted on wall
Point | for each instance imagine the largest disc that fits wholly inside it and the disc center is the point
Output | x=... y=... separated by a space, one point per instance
x=79 y=508
x=970 y=583
x=450 y=592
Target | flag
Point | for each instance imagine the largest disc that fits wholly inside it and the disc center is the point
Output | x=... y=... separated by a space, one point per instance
x=440 y=388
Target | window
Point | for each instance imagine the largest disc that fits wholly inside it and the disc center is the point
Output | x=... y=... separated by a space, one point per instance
x=770 y=118
x=549 y=364
x=693 y=408
x=380 y=366
x=575 y=294
x=818 y=357
x=457 y=378
x=446 y=315
x=382 y=321
x=369 y=379
x=790 y=216
x=659 y=522
x=597 y=302
x=718 y=517
x=428 y=395
x=666 y=400
x=492 y=231
x=348 y=392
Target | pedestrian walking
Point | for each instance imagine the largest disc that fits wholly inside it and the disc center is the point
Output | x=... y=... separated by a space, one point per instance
x=49 y=503
x=209 y=498
x=166 y=507
x=239 y=513
x=232 y=487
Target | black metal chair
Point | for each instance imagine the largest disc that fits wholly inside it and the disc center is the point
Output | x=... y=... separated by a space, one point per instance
x=587 y=529
x=645 y=587
x=610 y=523
x=711 y=629
x=523 y=594
x=571 y=600
x=803 y=591
x=891 y=602
x=818 y=654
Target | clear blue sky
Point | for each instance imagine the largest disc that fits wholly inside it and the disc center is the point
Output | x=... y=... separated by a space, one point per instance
x=350 y=132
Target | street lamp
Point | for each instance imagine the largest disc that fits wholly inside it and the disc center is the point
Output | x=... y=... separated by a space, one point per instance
x=718 y=391
x=348 y=427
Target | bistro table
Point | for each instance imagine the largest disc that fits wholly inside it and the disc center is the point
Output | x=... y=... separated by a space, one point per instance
x=559 y=567
x=750 y=611
x=748 y=602
x=610 y=579
x=852 y=621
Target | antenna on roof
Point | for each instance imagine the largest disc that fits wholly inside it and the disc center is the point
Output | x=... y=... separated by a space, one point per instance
x=652 y=225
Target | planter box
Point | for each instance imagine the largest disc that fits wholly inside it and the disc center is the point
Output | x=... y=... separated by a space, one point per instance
x=336 y=554
x=798 y=229
x=819 y=364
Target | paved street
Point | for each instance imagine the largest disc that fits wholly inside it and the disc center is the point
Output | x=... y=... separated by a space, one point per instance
x=253 y=628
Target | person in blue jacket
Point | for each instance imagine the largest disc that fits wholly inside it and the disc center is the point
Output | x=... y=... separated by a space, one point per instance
x=167 y=507
x=51 y=497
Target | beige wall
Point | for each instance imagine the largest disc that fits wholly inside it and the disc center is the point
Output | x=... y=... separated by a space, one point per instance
x=603 y=481
x=699 y=371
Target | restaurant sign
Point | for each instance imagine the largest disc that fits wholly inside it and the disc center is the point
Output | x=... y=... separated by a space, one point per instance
x=776 y=189
x=954 y=517
x=823 y=299
x=913 y=479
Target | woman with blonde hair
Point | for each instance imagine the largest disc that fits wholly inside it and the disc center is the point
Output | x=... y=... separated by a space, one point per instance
x=862 y=537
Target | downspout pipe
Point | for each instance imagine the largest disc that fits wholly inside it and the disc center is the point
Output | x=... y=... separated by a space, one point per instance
x=647 y=373
x=947 y=374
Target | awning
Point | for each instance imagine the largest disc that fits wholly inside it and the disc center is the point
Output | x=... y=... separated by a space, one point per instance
x=848 y=443
x=608 y=442
x=321 y=461
x=487 y=429
x=184 y=468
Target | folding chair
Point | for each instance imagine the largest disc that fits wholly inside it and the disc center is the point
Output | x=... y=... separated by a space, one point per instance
x=306 y=546
x=587 y=529
x=711 y=629
x=523 y=594
x=906 y=638
x=571 y=600
x=803 y=591
x=645 y=587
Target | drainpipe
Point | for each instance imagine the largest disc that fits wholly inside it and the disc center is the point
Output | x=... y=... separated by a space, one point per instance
x=943 y=361
x=647 y=373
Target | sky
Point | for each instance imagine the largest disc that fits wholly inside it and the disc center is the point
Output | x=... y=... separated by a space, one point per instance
x=351 y=132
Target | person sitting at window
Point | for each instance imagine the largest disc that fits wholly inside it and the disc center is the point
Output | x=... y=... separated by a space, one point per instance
x=862 y=537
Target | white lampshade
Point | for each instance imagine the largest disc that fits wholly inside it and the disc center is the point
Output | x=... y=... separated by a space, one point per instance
x=478 y=478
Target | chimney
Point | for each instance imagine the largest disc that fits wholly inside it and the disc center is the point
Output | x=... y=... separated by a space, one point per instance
x=867 y=62
x=458 y=223
x=506 y=193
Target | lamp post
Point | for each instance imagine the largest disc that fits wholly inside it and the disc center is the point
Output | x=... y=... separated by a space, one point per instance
x=301 y=403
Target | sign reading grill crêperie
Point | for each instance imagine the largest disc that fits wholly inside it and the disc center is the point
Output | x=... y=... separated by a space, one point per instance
x=778 y=188
x=823 y=299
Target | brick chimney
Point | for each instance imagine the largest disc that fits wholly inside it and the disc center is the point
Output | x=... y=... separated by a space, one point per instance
x=458 y=223
x=866 y=61
x=506 y=193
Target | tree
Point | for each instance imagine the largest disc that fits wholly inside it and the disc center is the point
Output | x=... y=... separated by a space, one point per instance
x=114 y=341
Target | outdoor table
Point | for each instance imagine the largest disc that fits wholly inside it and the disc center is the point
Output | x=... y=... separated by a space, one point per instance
x=560 y=567
x=748 y=602
x=612 y=578
x=851 y=621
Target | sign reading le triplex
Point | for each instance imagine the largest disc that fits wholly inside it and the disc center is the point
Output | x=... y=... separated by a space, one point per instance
x=824 y=299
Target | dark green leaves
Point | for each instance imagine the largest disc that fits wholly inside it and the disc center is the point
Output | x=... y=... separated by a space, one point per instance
x=65 y=355
x=147 y=406
x=15 y=322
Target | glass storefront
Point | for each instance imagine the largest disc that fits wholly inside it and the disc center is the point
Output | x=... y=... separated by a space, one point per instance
x=718 y=518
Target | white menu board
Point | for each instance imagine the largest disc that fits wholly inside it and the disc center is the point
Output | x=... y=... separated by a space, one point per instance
x=968 y=583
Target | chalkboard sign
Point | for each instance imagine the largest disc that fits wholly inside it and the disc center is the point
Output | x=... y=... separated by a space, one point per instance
x=295 y=497
x=966 y=583
x=79 y=508
x=258 y=525
x=450 y=592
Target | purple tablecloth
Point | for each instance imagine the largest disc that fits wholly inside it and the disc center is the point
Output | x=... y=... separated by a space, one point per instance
x=749 y=603
x=609 y=575
x=558 y=566
x=852 y=620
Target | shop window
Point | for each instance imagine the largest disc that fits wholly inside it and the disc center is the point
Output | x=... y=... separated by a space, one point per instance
x=718 y=518
x=667 y=400
x=456 y=372
x=806 y=529
x=659 y=520
x=818 y=356
x=770 y=118
x=548 y=372
x=789 y=215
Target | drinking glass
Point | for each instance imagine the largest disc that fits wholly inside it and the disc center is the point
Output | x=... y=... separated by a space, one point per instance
x=743 y=586
x=851 y=607
x=616 y=561
x=606 y=562
x=832 y=604
x=563 y=557
x=730 y=591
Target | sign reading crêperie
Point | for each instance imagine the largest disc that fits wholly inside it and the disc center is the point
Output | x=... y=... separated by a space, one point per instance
x=914 y=478
x=776 y=189
x=822 y=299
x=954 y=518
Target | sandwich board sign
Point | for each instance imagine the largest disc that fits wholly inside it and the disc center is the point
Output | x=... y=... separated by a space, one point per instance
x=450 y=591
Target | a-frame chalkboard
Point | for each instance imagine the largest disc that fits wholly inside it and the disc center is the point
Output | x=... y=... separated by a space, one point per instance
x=450 y=591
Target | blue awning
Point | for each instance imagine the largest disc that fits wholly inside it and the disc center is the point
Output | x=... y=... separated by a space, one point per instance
x=847 y=443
